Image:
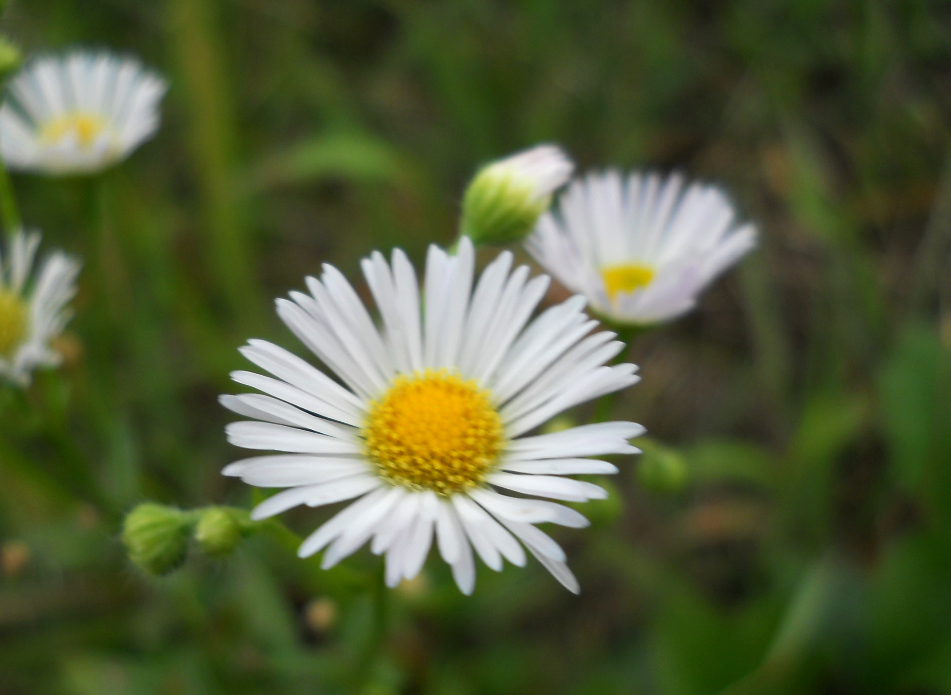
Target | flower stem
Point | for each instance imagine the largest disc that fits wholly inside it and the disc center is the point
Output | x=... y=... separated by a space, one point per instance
x=363 y=672
x=9 y=211
x=113 y=274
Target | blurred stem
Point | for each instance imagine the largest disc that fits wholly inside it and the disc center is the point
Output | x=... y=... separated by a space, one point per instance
x=112 y=274
x=772 y=359
x=212 y=128
x=370 y=653
x=9 y=211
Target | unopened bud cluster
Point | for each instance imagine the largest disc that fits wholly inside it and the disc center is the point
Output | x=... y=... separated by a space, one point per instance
x=157 y=537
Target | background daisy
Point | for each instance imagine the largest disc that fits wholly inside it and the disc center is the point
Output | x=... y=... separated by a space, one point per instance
x=78 y=113
x=431 y=421
x=640 y=247
x=32 y=310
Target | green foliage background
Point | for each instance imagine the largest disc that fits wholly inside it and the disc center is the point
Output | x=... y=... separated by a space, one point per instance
x=808 y=397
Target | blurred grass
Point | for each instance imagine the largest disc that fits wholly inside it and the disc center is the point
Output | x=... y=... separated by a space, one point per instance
x=808 y=395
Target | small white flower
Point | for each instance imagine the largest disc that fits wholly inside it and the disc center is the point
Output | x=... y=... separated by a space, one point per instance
x=430 y=420
x=641 y=248
x=78 y=113
x=505 y=199
x=32 y=311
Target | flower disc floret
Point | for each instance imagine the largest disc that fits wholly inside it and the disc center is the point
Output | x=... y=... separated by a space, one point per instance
x=626 y=278
x=434 y=431
x=80 y=127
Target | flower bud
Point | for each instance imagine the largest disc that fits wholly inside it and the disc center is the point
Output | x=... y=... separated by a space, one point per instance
x=156 y=537
x=660 y=468
x=505 y=199
x=219 y=531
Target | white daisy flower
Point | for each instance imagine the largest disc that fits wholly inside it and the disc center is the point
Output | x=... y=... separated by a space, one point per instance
x=78 y=113
x=432 y=418
x=641 y=248
x=32 y=312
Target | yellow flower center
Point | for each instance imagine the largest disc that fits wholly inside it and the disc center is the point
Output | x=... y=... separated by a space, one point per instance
x=625 y=278
x=13 y=321
x=434 y=431
x=84 y=127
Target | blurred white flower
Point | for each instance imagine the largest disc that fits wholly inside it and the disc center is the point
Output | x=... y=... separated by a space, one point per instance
x=430 y=420
x=78 y=113
x=505 y=199
x=640 y=247
x=32 y=310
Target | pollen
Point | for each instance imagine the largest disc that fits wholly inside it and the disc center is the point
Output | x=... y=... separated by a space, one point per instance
x=434 y=431
x=85 y=128
x=13 y=321
x=625 y=278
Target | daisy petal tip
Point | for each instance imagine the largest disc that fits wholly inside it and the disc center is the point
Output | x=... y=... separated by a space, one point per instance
x=232 y=470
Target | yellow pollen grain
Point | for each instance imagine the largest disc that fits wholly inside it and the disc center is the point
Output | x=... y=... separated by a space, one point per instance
x=13 y=321
x=85 y=127
x=434 y=431
x=625 y=278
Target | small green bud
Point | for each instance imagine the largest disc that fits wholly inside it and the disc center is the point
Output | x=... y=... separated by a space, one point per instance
x=10 y=56
x=219 y=531
x=505 y=199
x=156 y=537
x=660 y=468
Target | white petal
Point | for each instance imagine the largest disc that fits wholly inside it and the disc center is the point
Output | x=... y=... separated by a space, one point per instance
x=561 y=467
x=313 y=495
x=554 y=487
x=361 y=514
x=586 y=440
x=293 y=471
x=529 y=511
x=449 y=535
x=471 y=524
x=559 y=570
x=269 y=409
x=264 y=435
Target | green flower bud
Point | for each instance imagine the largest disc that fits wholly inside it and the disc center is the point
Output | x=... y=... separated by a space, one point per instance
x=156 y=537
x=219 y=531
x=10 y=56
x=505 y=199
x=660 y=468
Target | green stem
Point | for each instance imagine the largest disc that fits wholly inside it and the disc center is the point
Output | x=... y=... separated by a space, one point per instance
x=9 y=211
x=112 y=273
x=363 y=672
x=213 y=131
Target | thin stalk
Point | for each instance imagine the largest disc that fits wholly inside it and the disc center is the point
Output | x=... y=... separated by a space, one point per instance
x=379 y=626
x=113 y=276
x=212 y=127
x=9 y=210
